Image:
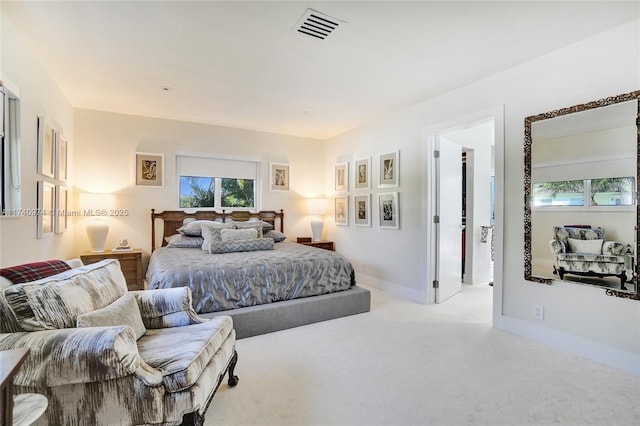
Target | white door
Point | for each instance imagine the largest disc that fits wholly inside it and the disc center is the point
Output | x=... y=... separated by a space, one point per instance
x=449 y=211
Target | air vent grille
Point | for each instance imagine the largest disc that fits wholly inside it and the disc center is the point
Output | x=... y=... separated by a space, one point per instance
x=318 y=25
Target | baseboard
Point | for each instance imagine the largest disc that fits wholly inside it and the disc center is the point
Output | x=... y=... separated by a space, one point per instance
x=617 y=358
x=398 y=290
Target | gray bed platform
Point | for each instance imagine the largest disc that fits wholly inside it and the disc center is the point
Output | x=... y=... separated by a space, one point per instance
x=262 y=319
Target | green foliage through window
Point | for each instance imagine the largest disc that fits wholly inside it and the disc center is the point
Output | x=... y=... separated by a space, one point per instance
x=198 y=191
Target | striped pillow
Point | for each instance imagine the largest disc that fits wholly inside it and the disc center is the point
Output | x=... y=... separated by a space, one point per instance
x=56 y=301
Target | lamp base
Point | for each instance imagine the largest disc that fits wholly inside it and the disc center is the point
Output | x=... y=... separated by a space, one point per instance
x=97 y=232
x=316 y=229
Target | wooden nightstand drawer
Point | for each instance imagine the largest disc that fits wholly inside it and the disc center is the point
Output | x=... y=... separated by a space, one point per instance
x=130 y=264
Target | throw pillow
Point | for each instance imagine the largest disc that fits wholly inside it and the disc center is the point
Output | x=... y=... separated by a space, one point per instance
x=219 y=247
x=276 y=235
x=238 y=234
x=257 y=225
x=56 y=301
x=124 y=311
x=194 y=228
x=184 y=241
x=585 y=246
x=211 y=233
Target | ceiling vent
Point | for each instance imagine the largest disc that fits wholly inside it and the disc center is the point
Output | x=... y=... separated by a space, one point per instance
x=318 y=25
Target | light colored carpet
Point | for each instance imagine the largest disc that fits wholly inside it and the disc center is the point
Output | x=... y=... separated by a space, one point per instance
x=410 y=364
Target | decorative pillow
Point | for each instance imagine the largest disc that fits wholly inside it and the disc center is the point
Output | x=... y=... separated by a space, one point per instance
x=34 y=271
x=614 y=248
x=257 y=225
x=266 y=226
x=276 y=235
x=194 y=228
x=211 y=232
x=219 y=247
x=238 y=234
x=124 y=311
x=184 y=241
x=585 y=246
x=56 y=301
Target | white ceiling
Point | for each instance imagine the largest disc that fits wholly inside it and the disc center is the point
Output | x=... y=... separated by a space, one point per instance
x=239 y=63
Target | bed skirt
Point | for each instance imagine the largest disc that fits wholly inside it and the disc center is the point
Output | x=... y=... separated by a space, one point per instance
x=262 y=319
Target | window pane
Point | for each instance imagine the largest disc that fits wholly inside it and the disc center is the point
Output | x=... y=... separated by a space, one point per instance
x=237 y=193
x=612 y=191
x=561 y=193
x=197 y=191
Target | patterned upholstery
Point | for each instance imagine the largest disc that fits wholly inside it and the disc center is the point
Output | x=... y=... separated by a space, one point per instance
x=102 y=375
x=34 y=271
x=607 y=260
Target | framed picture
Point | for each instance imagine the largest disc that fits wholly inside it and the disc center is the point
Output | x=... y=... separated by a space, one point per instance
x=61 y=157
x=389 y=212
x=149 y=169
x=389 y=169
x=342 y=211
x=342 y=177
x=46 y=141
x=60 y=216
x=362 y=210
x=362 y=173
x=45 y=208
x=279 y=177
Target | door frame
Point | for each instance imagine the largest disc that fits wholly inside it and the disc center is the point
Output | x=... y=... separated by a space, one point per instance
x=429 y=136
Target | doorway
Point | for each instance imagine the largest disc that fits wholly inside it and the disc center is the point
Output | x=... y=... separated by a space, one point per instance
x=463 y=225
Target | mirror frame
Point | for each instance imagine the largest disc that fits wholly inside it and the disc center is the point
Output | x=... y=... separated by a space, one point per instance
x=527 y=182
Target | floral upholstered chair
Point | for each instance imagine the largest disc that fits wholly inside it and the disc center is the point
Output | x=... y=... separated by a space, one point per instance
x=584 y=251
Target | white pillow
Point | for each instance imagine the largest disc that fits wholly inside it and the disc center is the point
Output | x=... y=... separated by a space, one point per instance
x=585 y=246
x=238 y=234
x=124 y=311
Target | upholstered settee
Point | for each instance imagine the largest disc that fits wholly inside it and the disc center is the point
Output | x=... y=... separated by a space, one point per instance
x=106 y=356
x=584 y=251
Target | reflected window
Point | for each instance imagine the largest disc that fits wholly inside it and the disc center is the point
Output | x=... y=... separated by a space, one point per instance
x=612 y=191
x=560 y=193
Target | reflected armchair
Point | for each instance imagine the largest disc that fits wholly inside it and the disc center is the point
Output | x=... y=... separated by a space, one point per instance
x=584 y=251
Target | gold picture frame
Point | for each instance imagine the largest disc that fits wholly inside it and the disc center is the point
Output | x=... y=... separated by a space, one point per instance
x=149 y=170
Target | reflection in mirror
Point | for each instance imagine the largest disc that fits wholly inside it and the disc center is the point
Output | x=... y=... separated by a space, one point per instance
x=581 y=174
x=10 y=188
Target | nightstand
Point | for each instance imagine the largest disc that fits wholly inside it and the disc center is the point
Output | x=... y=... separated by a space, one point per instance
x=327 y=245
x=130 y=263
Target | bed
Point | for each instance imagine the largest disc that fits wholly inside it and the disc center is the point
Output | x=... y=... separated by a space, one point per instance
x=285 y=286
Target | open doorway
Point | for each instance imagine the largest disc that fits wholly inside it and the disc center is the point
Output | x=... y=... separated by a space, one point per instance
x=463 y=225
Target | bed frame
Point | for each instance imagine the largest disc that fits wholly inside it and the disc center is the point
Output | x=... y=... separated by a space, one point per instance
x=173 y=219
x=261 y=319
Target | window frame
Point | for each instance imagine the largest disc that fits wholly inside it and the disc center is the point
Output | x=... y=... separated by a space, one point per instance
x=218 y=182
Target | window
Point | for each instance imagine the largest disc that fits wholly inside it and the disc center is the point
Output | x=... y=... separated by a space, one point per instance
x=614 y=191
x=10 y=187
x=217 y=183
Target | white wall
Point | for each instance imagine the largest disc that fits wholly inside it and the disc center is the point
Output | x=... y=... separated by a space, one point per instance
x=39 y=96
x=602 y=66
x=105 y=147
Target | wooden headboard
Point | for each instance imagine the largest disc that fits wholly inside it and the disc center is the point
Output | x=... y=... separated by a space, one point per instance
x=173 y=219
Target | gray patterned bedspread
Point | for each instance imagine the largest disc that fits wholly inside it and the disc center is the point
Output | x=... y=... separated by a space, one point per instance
x=220 y=282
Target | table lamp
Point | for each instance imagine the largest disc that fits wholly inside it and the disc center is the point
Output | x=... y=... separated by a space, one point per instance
x=317 y=207
x=97 y=206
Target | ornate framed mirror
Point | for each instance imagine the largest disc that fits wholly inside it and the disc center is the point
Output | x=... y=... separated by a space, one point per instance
x=581 y=174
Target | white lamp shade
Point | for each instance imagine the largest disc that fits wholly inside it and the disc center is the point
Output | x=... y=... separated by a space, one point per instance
x=97 y=231
x=97 y=205
x=317 y=206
